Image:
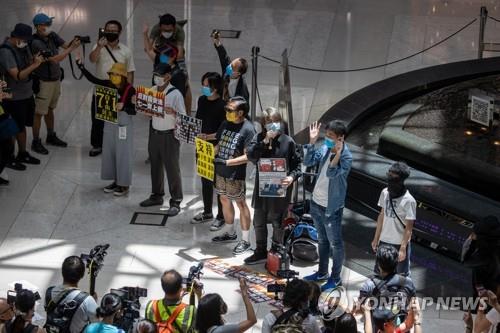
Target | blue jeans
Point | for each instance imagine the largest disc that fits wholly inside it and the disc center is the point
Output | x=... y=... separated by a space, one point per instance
x=330 y=240
x=403 y=266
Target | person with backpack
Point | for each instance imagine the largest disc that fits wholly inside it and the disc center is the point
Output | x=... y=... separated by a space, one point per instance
x=25 y=310
x=170 y=314
x=397 y=217
x=118 y=141
x=17 y=64
x=211 y=309
x=110 y=308
x=70 y=310
x=47 y=79
x=295 y=316
x=272 y=143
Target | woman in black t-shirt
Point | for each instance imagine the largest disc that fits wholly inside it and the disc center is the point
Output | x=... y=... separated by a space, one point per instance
x=211 y=112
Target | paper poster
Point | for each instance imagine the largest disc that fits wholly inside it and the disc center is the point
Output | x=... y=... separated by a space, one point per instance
x=150 y=102
x=187 y=128
x=271 y=173
x=205 y=154
x=105 y=104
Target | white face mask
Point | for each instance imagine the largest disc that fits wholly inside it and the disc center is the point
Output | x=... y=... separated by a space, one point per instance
x=159 y=81
x=22 y=44
x=167 y=34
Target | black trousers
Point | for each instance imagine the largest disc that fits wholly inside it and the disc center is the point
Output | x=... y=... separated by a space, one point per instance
x=263 y=217
x=96 y=132
x=6 y=152
x=207 y=191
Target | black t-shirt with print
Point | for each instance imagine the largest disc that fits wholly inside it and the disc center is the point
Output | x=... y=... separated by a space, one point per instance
x=232 y=140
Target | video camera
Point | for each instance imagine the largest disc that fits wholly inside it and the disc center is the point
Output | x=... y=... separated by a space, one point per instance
x=83 y=39
x=131 y=306
x=280 y=287
x=195 y=272
x=11 y=294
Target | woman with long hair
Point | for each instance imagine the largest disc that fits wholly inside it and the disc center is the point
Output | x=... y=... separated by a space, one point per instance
x=25 y=310
x=109 y=310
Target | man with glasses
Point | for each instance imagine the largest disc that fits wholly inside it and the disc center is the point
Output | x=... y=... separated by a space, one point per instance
x=233 y=138
x=6 y=311
x=106 y=52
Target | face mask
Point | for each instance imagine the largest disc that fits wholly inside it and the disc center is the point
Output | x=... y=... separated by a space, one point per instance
x=231 y=117
x=275 y=127
x=206 y=91
x=159 y=81
x=112 y=36
x=115 y=79
x=229 y=70
x=167 y=34
x=164 y=59
x=329 y=143
x=395 y=187
x=21 y=45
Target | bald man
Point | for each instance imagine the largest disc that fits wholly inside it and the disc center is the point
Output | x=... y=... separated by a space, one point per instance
x=6 y=311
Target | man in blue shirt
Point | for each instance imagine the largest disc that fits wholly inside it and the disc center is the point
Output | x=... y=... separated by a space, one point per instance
x=334 y=160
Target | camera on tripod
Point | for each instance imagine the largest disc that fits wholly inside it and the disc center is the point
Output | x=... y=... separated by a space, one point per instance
x=195 y=273
x=131 y=306
x=11 y=294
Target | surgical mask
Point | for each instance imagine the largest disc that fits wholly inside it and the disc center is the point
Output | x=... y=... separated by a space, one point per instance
x=275 y=127
x=231 y=117
x=206 y=91
x=229 y=70
x=115 y=79
x=395 y=187
x=22 y=44
x=112 y=36
x=329 y=143
x=159 y=81
x=164 y=59
x=167 y=34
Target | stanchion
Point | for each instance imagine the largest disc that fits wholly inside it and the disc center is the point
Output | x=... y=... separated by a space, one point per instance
x=253 y=101
x=482 y=24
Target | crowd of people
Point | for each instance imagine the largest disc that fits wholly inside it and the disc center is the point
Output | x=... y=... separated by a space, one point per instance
x=30 y=89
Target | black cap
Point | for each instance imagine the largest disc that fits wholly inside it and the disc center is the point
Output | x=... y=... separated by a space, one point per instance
x=167 y=19
x=162 y=69
x=22 y=31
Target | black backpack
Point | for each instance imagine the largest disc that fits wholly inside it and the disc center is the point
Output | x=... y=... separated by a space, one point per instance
x=391 y=294
x=60 y=311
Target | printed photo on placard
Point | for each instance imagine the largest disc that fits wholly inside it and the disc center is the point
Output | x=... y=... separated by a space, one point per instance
x=105 y=104
x=150 y=102
x=187 y=128
x=271 y=172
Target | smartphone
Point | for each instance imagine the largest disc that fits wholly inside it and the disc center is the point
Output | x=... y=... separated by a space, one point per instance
x=101 y=33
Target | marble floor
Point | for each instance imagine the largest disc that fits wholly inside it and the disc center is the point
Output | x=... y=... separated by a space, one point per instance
x=58 y=208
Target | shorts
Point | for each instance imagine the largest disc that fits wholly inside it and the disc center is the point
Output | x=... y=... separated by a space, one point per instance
x=22 y=111
x=48 y=96
x=234 y=189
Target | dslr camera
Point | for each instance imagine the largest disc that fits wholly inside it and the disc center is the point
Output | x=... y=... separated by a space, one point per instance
x=280 y=287
x=130 y=306
x=46 y=54
x=195 y=273
x=83 y=39
x=11 y=294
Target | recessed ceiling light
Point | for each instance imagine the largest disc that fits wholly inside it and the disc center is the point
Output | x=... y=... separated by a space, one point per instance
x=469 y=133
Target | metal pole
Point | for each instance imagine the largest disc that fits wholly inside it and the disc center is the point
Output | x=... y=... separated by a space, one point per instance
x=482 y=25
x=253 y=102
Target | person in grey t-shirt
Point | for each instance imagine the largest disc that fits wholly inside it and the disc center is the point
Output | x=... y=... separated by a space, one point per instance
x=73 y=270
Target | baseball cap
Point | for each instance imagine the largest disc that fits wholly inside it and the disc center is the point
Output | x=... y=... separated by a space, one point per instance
x=42 y=18
x=162 y=69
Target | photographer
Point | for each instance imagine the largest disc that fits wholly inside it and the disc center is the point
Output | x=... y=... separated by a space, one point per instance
x=212 y=307
x=6 y=311
x=17 y=64
x=25 y=309
x=47 y=79
x=160 y=311
x=111 y=308
x=108 y=51
x=73 y=270
x=295 y=313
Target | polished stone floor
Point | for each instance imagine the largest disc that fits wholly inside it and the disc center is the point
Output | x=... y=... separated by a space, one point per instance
x=58 y=208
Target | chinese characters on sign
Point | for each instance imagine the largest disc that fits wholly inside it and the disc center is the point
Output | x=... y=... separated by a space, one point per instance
x=150 y=102
x=187 y=128
x=105 y=104
x=205 y=159
x=271 y=172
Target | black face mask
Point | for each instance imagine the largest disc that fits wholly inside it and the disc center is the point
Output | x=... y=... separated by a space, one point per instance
x=112 y=36
x=396 y=187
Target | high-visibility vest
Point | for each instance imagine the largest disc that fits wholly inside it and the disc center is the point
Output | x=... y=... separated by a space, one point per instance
x=184 y=321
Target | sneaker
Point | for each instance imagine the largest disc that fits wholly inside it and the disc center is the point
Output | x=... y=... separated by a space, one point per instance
x=257 y=257
x=152 y=201
x=241 y=247
x=53 y=140
x=15 y=165
x=217 y=224
x=95 y=152
x=26 y=158
x=110 y=188
x=37 y=147
x=330 y=284
x=173 y=211
x=120 y=191
x=202 y=217
x=4 y=182
x=225 y=237
x=317 y=277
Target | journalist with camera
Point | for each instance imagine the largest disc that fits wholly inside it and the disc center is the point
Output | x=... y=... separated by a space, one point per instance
x=6 y=311
x=130 y=306
x=171 y=305
x=24 y=311
x=110 y=310
x=47 y=79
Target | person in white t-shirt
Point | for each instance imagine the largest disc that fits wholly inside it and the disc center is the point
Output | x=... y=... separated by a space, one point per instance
x=489 y=322
x=397 y=216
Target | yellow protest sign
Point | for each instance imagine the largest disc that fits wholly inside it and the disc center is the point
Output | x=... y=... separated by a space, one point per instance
x=205 y=155
x=105 y=104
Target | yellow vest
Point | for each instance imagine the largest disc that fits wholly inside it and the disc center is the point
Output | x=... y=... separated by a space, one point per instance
x=184 y=321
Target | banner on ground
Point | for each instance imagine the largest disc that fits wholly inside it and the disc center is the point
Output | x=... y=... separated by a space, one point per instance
x=150 y=102
x=105 y=104
x=205 y=154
